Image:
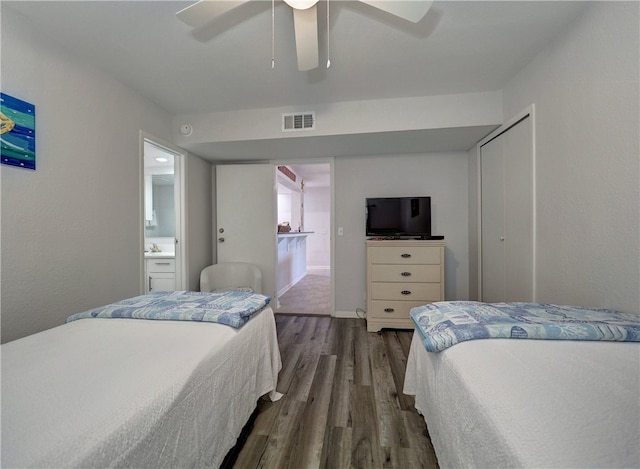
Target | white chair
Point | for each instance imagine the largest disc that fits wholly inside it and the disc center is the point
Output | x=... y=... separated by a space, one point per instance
x=230 y=275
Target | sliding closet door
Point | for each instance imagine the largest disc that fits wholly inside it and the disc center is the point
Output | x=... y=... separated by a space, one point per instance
x=519 y=225
x=493 y=271
x=508 y=215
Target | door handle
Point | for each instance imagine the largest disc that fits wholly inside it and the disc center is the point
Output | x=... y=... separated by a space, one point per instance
x=221 y=240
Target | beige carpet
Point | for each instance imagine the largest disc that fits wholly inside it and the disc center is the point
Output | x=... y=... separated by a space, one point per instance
x=311 y=295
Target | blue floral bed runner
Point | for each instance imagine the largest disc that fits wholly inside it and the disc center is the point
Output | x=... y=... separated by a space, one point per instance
x=447 y=323
x=233 y=308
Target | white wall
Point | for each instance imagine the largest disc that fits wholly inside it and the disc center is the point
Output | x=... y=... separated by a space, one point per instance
x=586 y=91
x=71 y=229
x=284 y=206
x=199 y=218
x=352 y=117
x=317 y=218
x=443 y=176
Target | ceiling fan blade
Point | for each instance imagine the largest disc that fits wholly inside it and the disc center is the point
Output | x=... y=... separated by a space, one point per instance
x=410 y=10
x=306 y=29
x=200 y=13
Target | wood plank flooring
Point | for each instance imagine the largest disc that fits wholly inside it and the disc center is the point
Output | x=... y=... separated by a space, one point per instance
x=343 y=405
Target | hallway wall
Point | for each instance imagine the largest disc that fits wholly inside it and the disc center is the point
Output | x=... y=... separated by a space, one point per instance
x=317 y=218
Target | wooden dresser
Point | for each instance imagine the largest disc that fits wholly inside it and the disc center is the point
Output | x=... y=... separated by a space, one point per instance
x=400 y=275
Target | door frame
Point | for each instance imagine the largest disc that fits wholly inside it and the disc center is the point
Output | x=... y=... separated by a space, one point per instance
x=180 y=198
x=529 y=112
x=330 y=161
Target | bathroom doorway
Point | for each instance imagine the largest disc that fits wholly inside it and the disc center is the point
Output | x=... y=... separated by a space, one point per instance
x=304 y=285
x=162 y=216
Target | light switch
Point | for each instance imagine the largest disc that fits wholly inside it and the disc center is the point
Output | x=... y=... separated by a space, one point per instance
x=340 y=231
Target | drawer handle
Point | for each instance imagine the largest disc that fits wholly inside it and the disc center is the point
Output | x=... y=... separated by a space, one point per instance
x=389 y=310
x=405 y=292
x=162 y=263
x=406 y=274
x=405 y=255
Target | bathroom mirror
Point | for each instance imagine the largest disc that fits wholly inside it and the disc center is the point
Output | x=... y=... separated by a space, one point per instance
x=159 y=193
x=161 y=221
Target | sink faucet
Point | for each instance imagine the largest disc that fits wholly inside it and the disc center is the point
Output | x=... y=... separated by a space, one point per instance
x=154 y=247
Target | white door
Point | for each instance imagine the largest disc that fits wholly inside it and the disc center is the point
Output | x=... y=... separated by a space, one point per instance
x=493 y=281
x=518 y=209
x=247 y=218
x=508 y=215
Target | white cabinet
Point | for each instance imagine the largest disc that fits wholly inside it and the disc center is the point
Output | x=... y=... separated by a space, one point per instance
x=161 y=274
x=402 y=275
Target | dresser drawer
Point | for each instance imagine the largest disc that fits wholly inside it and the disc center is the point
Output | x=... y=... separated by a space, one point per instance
x=161 y=265
x=405 y=255
x=426 y=292
x=402 y=274
x=405 y=273
x=383 y=309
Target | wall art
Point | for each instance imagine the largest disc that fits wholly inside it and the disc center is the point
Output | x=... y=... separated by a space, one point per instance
x=17 y=132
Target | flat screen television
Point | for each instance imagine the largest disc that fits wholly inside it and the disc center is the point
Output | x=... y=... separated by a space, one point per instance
x=399 y=217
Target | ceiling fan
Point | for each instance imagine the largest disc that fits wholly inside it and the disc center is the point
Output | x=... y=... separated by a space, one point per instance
x=305 y=19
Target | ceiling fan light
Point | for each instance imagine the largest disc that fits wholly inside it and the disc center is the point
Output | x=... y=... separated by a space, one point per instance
x=301 y=4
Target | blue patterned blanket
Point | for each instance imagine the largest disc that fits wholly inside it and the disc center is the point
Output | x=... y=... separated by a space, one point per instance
x=447 y=323
x=233 y=308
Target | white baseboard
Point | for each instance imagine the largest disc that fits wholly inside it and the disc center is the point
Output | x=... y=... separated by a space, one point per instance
x=346 y=315
x=286 y=288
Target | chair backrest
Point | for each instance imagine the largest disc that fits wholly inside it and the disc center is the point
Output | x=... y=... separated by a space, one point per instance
x=230 y=275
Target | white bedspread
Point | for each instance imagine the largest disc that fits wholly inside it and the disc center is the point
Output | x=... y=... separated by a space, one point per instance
x=134 y=393
x=529 y=403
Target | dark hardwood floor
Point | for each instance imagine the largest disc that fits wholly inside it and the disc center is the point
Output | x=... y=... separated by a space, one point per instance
x=343 y=404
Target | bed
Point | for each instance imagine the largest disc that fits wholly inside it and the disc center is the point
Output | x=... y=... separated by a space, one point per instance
x=120 y=391
x=506 y=402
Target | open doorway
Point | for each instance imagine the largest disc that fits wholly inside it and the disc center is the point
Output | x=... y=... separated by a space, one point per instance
x=304 y=239
x=163 y=207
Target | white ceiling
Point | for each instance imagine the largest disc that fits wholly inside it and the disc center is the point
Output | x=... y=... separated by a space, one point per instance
x=458 y=47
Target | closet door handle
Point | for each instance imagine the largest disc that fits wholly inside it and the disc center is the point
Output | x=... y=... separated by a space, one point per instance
x=405 y=292
x=389 y=310
x=149 y=282
x=406 y=274
x=405 y=255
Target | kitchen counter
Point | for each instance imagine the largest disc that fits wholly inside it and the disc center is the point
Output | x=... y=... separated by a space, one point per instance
x=292 y=259
x=292 y=234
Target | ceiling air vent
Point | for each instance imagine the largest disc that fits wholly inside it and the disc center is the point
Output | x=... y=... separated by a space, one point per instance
x=301 y=121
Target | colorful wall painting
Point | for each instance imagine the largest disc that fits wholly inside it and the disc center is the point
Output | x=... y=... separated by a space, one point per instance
x=17 y=132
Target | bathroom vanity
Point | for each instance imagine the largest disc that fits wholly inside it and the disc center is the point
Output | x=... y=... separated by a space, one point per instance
x=160 y=271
